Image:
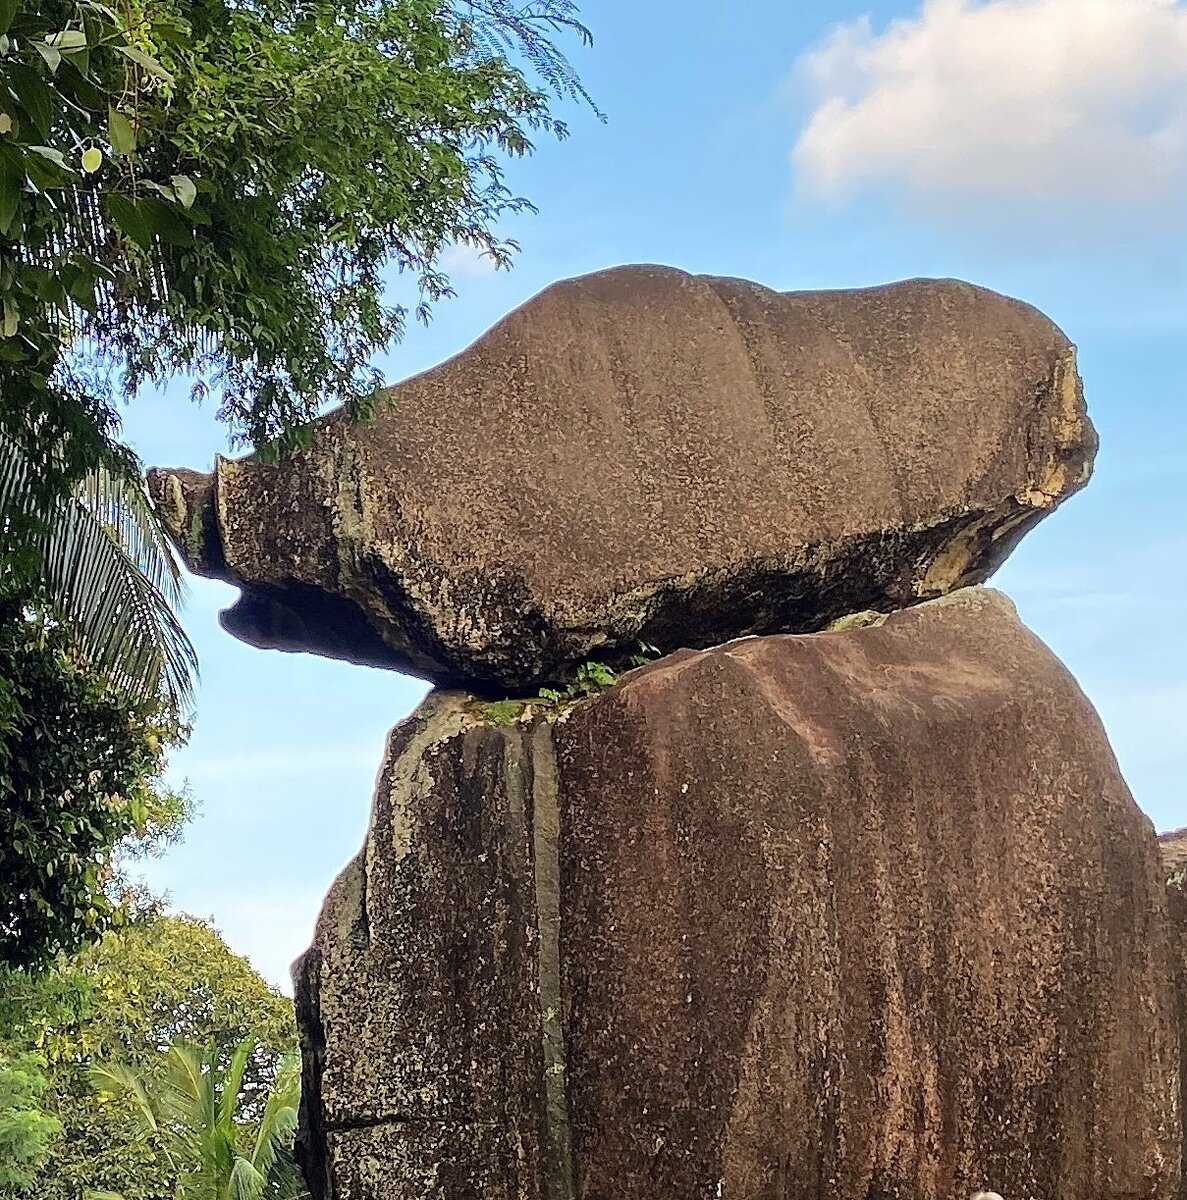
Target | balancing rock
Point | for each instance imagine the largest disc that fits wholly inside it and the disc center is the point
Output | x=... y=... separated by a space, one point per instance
x=646 y=455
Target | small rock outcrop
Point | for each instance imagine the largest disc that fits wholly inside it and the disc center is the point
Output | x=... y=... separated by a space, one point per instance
x=646 y=455
x=857 y=914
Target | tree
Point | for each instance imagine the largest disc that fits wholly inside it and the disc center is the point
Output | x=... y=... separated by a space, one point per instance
x=192 y=1107
x=26 y=1130
x=159 y=980
x=221 y=186
x=107 y=570
x=80 y=769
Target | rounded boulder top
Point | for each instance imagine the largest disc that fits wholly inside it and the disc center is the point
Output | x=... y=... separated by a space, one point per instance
x=644 y=455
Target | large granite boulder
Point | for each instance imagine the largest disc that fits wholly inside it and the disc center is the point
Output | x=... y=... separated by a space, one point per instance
x=857 y=914
x=1174 y=858
x=643 y=454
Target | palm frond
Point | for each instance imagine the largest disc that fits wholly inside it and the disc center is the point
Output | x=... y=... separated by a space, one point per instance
x=245 y=1182
x=193 y=1103
x=118 y=1079
x=279 y=1120
x=109 y=571
x=233 y=1080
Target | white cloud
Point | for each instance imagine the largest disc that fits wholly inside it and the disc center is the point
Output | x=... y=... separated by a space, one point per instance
x=467 y=260
x=1066 y=102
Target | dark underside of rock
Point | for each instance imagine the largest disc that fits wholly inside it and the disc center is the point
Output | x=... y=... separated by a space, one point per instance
x=645 y=455
x=849 y=915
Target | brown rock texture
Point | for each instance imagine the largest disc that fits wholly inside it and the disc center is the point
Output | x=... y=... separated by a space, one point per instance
x=642 y=454
x=864 y=914
x=1174 y=857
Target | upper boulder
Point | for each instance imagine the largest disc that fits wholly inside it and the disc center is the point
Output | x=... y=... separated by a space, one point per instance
x=647 y=455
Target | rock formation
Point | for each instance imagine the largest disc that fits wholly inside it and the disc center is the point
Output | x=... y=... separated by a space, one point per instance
x=868 y=913
x=646 y=455
x=1174 y=859
x=857 y=907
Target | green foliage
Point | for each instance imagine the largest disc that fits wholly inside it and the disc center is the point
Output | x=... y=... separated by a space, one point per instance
x=27 y=1132
x=592 y=678
x=221 y=187
x=645 y=654
x=159 y=980
x=106 y=567
x=79 y=768
x=191 y=1107
x=501 y=712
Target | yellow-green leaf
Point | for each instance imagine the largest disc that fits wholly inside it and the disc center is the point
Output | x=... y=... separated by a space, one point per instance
x=92 y=160
x=184 y=190
x=146 y=61
x=120 y=132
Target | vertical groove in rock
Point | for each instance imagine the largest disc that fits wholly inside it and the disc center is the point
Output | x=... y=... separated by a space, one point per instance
x=558 y=1179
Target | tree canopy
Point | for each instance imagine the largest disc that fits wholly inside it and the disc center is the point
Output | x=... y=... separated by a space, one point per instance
x=27 y=1132
x=80 y=775
x=225 y=187
x=159 y=981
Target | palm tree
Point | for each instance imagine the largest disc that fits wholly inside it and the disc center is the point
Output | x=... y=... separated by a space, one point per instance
x=193 y=1109
x=106 y=569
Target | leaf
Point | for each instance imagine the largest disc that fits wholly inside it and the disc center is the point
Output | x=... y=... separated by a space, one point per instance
x=127 y=217
x=163 y=219
x=102 y=10
x=79 y=283
x=120 y=132
x=184 y=187
x=50 y=154
x=67 y=40
x=43 y=171
x=146 y=61
x=7 y=12
x=52 y=56
x=5 y=123
x=172 y=30
x=92 y=159
x=33 y=94
x=12 y=180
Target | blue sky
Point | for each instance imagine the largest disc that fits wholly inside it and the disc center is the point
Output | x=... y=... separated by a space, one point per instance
x=1038 y=147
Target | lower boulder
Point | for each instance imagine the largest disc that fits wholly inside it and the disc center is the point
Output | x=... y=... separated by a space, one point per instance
x=1174 y=859
x=857 y=914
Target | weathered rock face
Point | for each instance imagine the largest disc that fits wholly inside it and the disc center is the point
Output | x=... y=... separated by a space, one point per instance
x=645 y=454
x=1174 y=858
x=857 y=914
